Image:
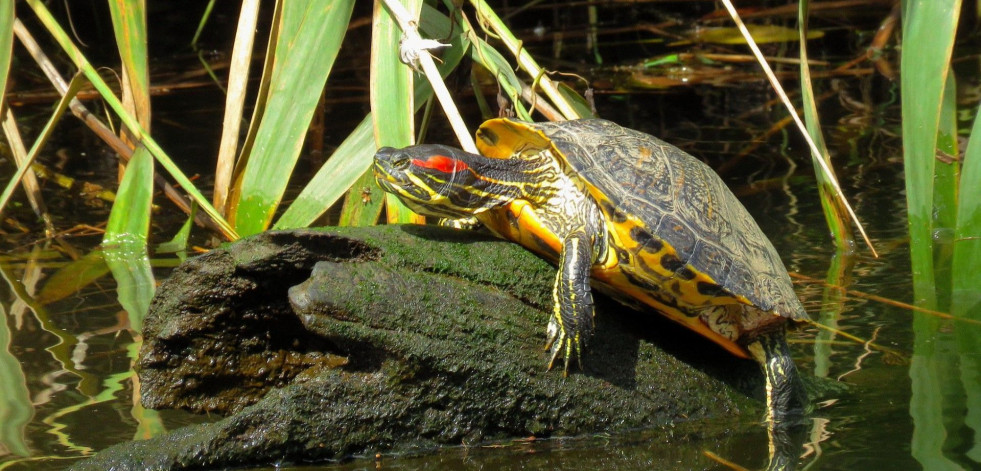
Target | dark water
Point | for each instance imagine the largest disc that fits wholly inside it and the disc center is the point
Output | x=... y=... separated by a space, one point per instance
x=67 y=389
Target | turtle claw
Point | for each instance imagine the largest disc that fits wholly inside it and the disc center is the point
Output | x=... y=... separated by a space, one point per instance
x=563 y=345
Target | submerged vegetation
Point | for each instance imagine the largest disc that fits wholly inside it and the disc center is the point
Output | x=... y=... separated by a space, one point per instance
x=287 y=57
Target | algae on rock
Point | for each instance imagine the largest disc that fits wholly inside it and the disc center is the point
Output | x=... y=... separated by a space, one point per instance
x=326 y=343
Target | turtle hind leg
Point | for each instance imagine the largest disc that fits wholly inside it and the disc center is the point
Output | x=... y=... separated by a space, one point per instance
x=786 y=399
x=571 y=324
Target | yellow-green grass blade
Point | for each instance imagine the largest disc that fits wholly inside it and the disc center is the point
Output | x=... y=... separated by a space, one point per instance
x=946 y=174
x=125 y=242
x=344 y=167
x=204 y=21
x=238 y=81
x=178 y=244
x=495 y=63
x=6 y=44
x=523 y=57
x=130 y=215
x=16 y=408
x=391 y=96
x=576 y=101
x=309 y=39
x=967 y=236
x=73 y=88
x=354 y=156
x=363 y=203
x=928 y=40
x=131 y=123
x=258 y=109
x=129 y=25
x=834 y=215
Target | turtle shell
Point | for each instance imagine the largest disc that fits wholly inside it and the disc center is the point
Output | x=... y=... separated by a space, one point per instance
x=664 y=208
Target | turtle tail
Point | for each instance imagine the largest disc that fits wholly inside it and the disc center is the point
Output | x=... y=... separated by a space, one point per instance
x=786 y=399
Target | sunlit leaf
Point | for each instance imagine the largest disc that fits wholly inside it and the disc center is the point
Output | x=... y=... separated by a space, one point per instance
x=363 y=203
x=6 y=44
x=834 y=214
x=129 y=25
x=391 y=95
x=238 y=80
x=130 y=215
x=967 y=236
x=309 y=39
x=928 y=40
x=124 y=245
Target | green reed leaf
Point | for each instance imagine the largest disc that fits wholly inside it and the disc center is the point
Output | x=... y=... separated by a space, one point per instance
x=928 y=41
x=391 y=94
x=834 y=214
x=6 y=44
x=124 y=245
x=967 y=235
x=129 y=25
x=309 y=38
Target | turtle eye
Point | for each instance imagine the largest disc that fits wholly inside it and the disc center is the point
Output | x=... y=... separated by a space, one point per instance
x=402 y=163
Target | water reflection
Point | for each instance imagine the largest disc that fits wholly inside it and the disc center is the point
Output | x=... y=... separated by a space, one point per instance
x=67 y=351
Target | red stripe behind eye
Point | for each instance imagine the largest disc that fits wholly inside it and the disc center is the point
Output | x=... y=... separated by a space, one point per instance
x=441 y=163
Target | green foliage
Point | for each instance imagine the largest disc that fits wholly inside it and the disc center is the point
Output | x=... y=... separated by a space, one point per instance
x=310 y=35
x=6 y=44
x=928 y=41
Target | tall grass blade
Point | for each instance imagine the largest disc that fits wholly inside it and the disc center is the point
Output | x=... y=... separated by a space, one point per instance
x=24 y=167
x=6 y=44
x=967 y=235
x=344 y=167
x=415 y=51
x=125 y=242
x=363 y=203
x=309 y=39
x=131 y=124
x=946 y=174
x=130 y=215
x=129 y=25
x=492 y=60
x=238 y=80
x=525 y=61
x=391 y=95
x=834 y=215
x=928 y=41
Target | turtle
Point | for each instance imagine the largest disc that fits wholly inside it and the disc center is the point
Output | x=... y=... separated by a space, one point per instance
x=626 y=213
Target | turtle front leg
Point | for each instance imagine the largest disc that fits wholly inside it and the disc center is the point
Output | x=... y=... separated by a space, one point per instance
x=571 y=324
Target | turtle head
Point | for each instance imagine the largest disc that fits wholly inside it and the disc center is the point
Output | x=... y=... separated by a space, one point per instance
x=434 y=180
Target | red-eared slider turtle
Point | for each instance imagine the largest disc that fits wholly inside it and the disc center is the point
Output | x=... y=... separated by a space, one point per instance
x=648 y=223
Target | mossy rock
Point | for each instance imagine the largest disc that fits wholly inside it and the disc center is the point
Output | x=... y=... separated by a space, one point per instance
x=319 y=344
